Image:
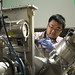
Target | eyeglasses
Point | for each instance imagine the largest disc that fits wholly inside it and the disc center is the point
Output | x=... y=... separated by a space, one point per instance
x=56 y=30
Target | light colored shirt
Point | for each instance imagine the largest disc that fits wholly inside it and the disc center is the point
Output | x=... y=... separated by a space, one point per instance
x=41 y=35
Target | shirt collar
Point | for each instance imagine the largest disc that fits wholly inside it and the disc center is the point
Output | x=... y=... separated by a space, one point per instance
x=54 y=40
x=44 y=35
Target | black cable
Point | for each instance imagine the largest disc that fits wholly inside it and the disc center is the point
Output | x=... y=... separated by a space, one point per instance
x=10 y=45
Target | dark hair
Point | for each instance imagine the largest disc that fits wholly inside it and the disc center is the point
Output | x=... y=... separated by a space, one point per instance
x=59 y=18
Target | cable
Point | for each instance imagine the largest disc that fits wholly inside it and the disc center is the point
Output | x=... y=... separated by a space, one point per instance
x=9 y=43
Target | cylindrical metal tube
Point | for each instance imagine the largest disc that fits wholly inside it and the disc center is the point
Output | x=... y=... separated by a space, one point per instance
x=64 y=54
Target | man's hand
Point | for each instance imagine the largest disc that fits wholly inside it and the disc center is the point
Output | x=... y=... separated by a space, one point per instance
x=47 y=44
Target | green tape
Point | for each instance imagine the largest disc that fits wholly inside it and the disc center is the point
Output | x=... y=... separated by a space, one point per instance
x=74 y=2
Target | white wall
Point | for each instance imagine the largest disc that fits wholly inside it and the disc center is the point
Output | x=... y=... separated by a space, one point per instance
x=46 y=8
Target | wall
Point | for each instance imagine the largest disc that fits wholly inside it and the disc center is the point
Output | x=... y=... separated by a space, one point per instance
x=46 y=8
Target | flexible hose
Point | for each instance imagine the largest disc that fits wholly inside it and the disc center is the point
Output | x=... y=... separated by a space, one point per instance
x=10 y=45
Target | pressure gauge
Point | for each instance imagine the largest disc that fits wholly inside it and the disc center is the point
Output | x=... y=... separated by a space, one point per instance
x=25 y=30
x=24 y=27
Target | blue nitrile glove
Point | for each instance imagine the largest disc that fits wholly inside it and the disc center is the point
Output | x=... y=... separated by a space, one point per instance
x=47 y=44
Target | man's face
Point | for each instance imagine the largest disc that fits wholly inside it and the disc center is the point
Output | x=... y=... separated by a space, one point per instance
x=54 y=29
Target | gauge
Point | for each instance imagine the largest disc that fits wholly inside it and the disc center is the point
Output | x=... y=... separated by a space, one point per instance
x=25 y=30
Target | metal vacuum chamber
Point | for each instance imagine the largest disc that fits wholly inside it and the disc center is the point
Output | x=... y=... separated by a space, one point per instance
x=19 y=23
x=61 y=60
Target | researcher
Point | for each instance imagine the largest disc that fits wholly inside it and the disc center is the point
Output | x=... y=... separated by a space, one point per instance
x=50 y=38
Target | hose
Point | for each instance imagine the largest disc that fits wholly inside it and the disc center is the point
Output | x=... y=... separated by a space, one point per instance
x=10 y=45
